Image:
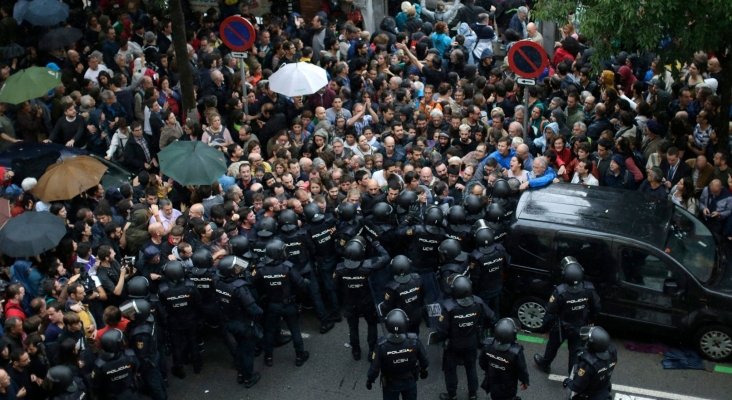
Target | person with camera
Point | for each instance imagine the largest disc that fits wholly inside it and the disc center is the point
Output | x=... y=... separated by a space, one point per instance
x=590 y=377
x=112 y=275
x=573 y=305
x=86 y=297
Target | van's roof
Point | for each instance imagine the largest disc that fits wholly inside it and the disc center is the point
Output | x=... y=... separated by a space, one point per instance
x=622 y=212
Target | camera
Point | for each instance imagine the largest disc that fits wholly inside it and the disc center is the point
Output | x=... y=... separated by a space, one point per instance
x=128 y=261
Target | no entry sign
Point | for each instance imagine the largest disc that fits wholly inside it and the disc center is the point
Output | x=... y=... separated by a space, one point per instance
x=527 y=59
x=237 y=33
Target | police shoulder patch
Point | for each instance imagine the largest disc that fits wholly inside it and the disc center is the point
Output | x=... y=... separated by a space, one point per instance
x=581 y=372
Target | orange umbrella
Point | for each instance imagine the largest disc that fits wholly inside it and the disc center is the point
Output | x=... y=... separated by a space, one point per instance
x=67 y=178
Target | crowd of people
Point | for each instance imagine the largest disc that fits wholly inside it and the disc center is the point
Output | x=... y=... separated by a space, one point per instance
x=419 y=135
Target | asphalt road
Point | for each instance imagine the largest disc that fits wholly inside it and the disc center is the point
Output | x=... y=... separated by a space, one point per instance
x=331 y=373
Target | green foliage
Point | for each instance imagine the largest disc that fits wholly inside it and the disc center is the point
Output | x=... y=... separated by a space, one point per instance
x=614 y=25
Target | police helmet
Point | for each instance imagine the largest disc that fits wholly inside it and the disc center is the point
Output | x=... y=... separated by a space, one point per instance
x=598 y=342
x=313 y=213
x=139 y=309
x=113 y=341
x=449 y=250
x=240 y=246
x=382 y=211
x=462 y=291
x=456 y=215
x=501 y=188
x=406 y=199
x=232 y=265
x=505 y=333
x=346 y=211
x=484 y=238
x=138 y=287
x=202 y=258
x=433 y=219
x=495 y=212
x=354 y=252
x=174 y=271
x=287 y=219
x=267 y=227
x=572 y=272
x=401 y=267
x=61 y=380
x=275 y=250
x=473 y=204
x=397 y=321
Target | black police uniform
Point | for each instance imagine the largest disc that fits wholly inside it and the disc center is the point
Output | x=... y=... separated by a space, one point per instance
x=569 y=309
x=276 y=281
x=113 y=377
x=347 y=230
x=398 y=358
x=204 y=279
x=591 y=378
x=486 y=273
x=407 y=296
x=461 y=233
x=357 y=302
x=448 y=271
x=299 y=249
x=322 y=234
x=182 y=304
x=504 y=368
x=240 y=313
x=462 y=327
x=423 y=251
x=144 y=342
x=383 y=231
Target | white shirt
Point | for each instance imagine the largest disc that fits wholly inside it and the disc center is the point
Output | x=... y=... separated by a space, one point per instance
x=92 y=75
x=589 y=180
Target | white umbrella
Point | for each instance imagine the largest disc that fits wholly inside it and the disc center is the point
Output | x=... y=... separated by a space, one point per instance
x=298 y=79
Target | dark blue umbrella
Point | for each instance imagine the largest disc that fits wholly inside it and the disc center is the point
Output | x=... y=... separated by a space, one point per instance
x=43 y=12
x=31 y=233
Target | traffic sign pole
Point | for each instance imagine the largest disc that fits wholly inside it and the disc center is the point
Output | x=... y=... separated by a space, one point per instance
x=242 y=67
x=527 y=112
x=238 y=35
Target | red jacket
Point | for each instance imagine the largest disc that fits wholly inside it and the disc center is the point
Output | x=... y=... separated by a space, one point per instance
x=13 y=309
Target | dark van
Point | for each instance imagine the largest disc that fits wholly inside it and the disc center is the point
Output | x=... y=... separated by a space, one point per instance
x=657 y=268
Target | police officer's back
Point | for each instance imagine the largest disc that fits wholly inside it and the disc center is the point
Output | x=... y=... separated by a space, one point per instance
x=349 y=224
x=487 y=263
x=590 y=378
x=114 y=372
x=405 y=292
x=321 y=228
x=457 y=227
x=453 y=262
x=240 y=314
x=573 y=305
x=399 y=358
x=203 y=277
x=143 y=338
x=62 y=384
x=503 y=361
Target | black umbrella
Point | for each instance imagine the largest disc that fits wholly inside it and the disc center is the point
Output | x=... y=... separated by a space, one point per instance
x=31 y=233
x=59 y=38
x=13 y=50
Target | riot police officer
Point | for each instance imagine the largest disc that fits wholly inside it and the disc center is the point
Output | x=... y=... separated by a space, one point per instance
x=62 y=384
x=266 y=230
x=352 y=276
x=299 y=249
x=142 y=331
x=495 y=218
x=474 y=207
x=423 y=242
x=114 y=372
x=457 y=227
x=503 y=361
x=203 y=277
x=277 y=279
x=182 y=304
x=408 y=211
x=380 y=226
x=590 y=378
x=349 y=225
x=405 y=292
x=573 y=305
x=453 y=263
x=461 y=325
x=399 y=358
x=487 y=263
x=138 y=288
x=240 y=314
x=321 y=229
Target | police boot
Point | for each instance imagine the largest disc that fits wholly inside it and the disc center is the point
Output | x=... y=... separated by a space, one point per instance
x=446 y=396
x=356 y=353
x=326 y=326
x=268 y=360
x=301 y=357
x=541 y=363
x=253 y=380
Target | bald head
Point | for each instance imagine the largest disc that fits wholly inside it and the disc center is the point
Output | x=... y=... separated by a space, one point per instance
x=156 y=229
x=531 y=28
x=196 y=211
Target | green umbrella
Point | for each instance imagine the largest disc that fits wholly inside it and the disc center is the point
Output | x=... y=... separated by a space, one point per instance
x=192 y=162
x=28 y=84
